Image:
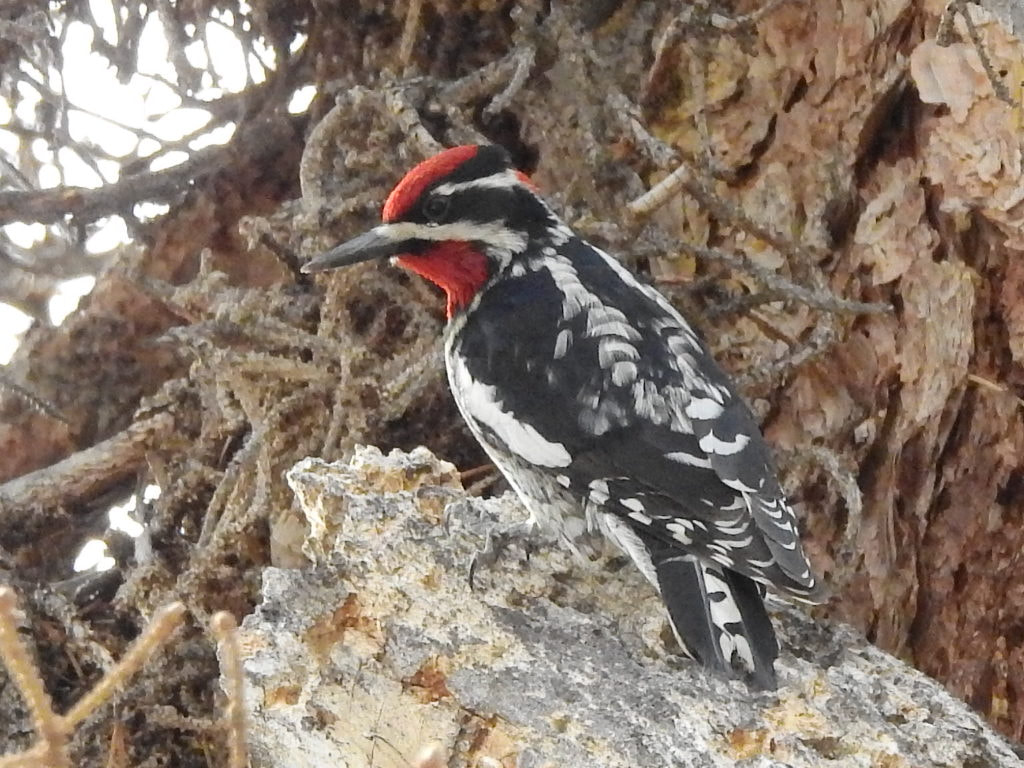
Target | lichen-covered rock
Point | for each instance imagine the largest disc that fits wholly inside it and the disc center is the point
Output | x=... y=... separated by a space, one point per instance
x=380 y=648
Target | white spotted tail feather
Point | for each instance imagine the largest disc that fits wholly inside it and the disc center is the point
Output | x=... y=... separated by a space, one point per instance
x=717 y=615
x=598 y=402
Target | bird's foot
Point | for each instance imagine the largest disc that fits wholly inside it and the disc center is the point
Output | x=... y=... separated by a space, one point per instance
x=498 y=539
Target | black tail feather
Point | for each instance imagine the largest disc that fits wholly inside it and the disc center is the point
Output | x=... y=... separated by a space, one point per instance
x=717 y=615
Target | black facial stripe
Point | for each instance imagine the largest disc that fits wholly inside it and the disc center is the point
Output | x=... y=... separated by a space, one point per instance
x=415 y=245
x=488 y=161
x=482 y=205
x=516 y=207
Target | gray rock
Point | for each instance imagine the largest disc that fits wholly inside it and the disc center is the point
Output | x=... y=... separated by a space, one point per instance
x=1009 y=12
x=380 y=650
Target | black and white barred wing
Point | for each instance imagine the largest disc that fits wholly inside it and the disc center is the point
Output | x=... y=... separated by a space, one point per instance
x=709 y=489
x=597 y=378
x=626 y=410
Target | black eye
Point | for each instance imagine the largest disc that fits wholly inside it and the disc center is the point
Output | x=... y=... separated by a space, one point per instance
x=435 y=208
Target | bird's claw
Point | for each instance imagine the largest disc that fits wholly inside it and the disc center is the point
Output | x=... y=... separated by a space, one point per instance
x=497 y=542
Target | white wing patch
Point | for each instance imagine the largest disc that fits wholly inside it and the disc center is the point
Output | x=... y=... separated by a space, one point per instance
x=703 y=408
x=712 y=444
x=481 y=406
x=626 y=540
x=632 y=503
x=681 y=530
x=562 y=343
x=599 y=491
x=682 y=457
x=624 y=372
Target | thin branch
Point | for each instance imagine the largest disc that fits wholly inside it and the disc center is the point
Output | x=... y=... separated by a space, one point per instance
x=47 y=206
x=400 y=107
x=682 y=178
x=772 y=280
x=994 y=386
x=86 y=473
x=944 y=37
x=37 y=403
x=524 y=57
x=23 y=670
x=156 y=634
x=225 y=629
x=822 y=337
x=410 y=32
x=53 y=731
x=481 y=82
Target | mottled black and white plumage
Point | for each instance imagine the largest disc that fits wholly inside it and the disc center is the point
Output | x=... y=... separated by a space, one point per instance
x=598 y=402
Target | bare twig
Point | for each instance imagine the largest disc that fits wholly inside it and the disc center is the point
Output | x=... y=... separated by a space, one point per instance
x=944 y=36
x=53 y=731
x=225 y=629
x=697 y=21
x=156 y=634
x=524 y=57
x=87 y=472
x=25 y=675
x=43 y=406
x=480 y=82
x=47 y=206
x=820 y=339
x=994 y=386
x=399 y=105
x=410 y=32
x=682 y=178
x=776 y=282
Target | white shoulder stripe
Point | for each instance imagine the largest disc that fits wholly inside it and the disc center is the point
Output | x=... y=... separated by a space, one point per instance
x=481 y=406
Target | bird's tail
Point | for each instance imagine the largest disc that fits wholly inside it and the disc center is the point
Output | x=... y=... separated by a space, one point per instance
x=717 y=615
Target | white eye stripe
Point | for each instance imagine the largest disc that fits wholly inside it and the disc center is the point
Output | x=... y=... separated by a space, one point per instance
x=493 y=233
x=502 y=180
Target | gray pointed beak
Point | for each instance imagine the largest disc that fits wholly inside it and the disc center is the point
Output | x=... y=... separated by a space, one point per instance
x=365 y=247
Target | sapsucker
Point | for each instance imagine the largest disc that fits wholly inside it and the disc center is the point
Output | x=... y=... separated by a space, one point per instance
x=598 y=402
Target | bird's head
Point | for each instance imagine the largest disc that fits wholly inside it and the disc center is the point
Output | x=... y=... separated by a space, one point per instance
x=456 y=219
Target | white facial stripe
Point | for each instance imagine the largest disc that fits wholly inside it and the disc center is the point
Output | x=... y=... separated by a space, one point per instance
x=503 y=180
x=493 y=233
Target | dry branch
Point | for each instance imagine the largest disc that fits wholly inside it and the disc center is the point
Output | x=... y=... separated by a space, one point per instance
x=47 y=206
x=53 y=730
x=225 y=630
x=86 y=473
x=34 y=401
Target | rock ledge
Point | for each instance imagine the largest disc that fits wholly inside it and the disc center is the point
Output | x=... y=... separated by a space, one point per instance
x=380 y=648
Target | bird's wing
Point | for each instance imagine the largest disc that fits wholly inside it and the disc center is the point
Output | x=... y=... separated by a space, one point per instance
x=579 y=368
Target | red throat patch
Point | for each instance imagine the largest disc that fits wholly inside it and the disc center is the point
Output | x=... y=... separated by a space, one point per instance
x=458 y=268
x=422 y=176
